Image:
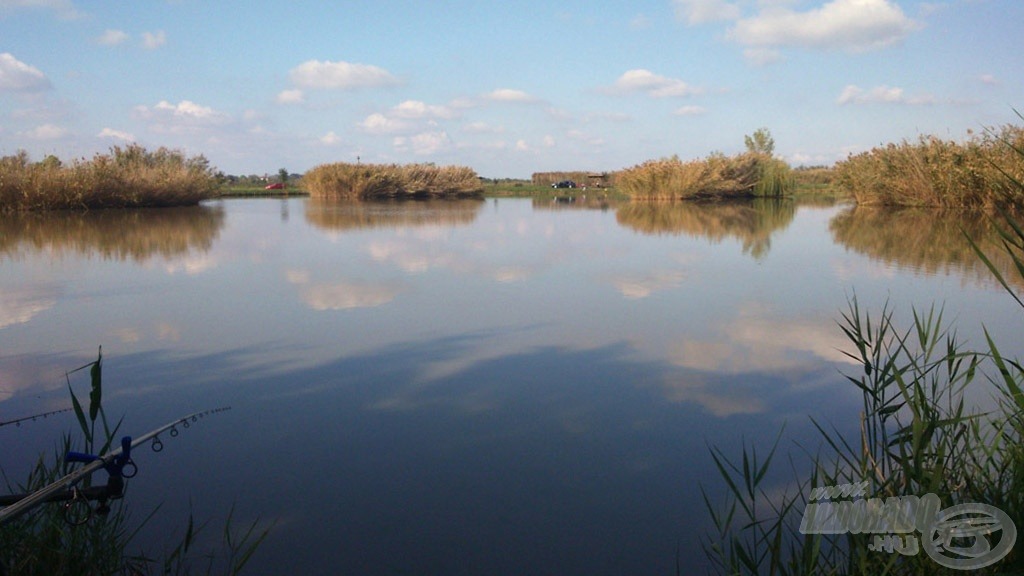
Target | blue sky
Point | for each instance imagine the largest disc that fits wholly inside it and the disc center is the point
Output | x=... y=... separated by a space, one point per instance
x=506 y=88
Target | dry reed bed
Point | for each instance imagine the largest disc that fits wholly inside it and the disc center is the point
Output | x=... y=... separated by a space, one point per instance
x=125 y=178
x=745 y=175
x=939 y=173
x=391 y=181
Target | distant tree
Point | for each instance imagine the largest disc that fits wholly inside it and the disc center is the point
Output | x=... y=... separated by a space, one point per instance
x=282 y=174
x=760 y=142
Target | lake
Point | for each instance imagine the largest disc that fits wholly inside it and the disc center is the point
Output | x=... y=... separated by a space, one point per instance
x=506 y=386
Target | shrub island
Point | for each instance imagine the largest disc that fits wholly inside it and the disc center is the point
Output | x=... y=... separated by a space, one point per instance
x=754 y=173
x=392 y=181
x=127 y=177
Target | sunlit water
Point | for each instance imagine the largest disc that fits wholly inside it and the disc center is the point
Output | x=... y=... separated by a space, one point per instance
x=495 y=387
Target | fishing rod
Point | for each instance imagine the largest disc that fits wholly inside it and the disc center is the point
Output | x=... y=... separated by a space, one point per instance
x=118 y=463
x=18 y=421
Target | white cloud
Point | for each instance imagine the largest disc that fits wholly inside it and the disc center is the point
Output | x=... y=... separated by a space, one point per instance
x=330 y=139
x=482 y=128
x=424 y=144
x=988 y=79
x=761 y=55
x=378 y=123
x=341 y=75
x=184 y=116
x=654 y=85
x=689 y=111
x=854 y=25
x=701 y=11
x=64 y=8
x=112 y=37
x=417 y=109
x=116 y=134
x=291 y=97
x=154 y=40
x=186 y=108
x=46 y=132
x=880 y=95
x=510 y=95
x=20 y=77
x=522 y=146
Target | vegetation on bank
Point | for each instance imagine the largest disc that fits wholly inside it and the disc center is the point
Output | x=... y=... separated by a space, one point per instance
x=74 y=538
x=754 y=173
x=127 y=177
x=981 y=173
x=391 y=181
x=917 y=437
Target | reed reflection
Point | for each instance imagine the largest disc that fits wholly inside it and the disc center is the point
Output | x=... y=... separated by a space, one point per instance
x=123 y=235
x=341 y=214
x=752 y=222
x=923 y=239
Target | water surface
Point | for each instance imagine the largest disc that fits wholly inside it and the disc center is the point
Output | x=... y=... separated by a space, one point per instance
x=503 y=386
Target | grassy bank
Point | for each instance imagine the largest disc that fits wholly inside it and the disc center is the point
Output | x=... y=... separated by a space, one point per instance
x=127 y=177
x=746 y=175
x=940 y=173
x=391 y=181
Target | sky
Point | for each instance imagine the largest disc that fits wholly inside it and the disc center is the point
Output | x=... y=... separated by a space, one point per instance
x=507 y=88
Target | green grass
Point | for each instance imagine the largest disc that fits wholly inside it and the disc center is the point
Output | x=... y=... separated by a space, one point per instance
x=128 y=177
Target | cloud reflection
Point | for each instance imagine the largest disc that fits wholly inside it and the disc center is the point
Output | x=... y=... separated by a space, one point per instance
x=341 y=295
x=20 y=305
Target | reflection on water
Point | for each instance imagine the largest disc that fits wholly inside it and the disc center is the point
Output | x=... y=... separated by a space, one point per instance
x=340 y=214
x=925 y=240
x=473 y=387
x=752 y=222
x=135 y=235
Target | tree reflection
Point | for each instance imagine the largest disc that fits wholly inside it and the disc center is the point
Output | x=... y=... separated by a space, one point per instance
x=752 y=222
x=335 y=214
x=131 y=234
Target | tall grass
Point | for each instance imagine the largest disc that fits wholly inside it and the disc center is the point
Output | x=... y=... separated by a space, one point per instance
x=940 y=173
x=128 y=176
x=745 y=175
x=391 y=181
x=916 y=438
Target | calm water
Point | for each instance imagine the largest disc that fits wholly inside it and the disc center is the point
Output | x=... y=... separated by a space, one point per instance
x=494 y=387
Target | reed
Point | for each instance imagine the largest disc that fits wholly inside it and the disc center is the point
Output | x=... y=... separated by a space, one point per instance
x=127 y=177
x=391 y=181
x=940 y=173
x=43 y=543
x=917 y=437
x=749 y=174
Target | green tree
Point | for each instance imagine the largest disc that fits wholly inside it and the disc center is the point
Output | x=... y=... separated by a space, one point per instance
x=760 y=142
x=282 y=174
